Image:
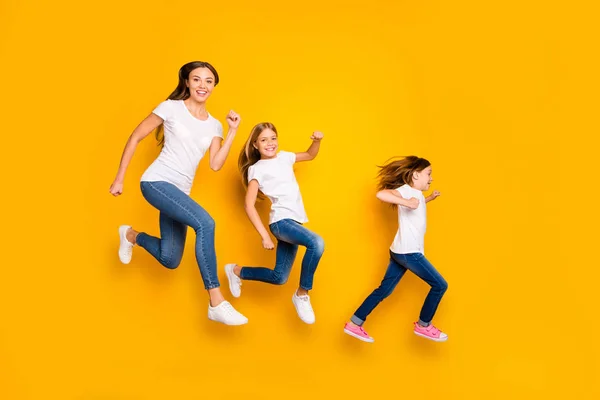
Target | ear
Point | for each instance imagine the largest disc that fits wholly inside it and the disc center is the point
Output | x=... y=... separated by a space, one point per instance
x=415 y=175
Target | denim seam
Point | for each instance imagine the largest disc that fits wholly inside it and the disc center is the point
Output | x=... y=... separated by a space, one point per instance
x=423 y=266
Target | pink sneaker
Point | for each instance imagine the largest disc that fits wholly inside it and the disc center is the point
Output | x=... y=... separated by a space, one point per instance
x=358 y=332
x=430 y=332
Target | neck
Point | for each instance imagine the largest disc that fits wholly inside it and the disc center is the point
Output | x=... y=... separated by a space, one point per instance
x=198 y=109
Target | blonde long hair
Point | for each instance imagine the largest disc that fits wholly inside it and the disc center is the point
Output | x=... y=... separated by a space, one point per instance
x=249 y=154
x=397 y=172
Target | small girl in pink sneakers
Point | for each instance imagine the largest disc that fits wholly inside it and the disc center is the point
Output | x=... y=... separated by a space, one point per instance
x=401 y=183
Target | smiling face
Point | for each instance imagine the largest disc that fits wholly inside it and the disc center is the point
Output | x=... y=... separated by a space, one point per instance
x=421 y=180
x=266 y=144
x=200 y=83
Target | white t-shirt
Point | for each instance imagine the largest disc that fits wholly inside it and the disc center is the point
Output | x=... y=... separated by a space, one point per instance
x=410 y=237
x=277 y=181
x=186 y=140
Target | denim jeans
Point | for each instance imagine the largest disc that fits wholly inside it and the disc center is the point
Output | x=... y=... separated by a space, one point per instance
x=177 y=212
x=399 y=263
x=289 y=234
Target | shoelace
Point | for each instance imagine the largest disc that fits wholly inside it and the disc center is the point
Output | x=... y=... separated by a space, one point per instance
x=305 y=301
x=237 y=279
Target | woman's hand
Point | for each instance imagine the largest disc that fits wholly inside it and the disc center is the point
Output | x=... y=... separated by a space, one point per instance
x=116 y=188
x=233 y=120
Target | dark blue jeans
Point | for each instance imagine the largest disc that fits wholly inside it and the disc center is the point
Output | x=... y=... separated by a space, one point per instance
x=289 y=234
x=399 y=263
x=177 y=212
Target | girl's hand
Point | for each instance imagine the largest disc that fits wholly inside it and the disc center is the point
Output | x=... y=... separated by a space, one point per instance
x=413 y=203
x=436 y=193
x=317 y=136
x=268 y=243
x=233 y=119
x=116 y=188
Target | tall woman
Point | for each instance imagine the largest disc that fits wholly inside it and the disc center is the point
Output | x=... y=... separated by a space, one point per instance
x=186 y=131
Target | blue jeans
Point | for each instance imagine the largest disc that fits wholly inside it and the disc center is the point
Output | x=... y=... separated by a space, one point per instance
x=177 y=212
x=289 y=234
x=399 y=263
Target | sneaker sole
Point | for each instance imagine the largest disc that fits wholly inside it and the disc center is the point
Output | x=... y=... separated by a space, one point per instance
x=229 y=279
x=430 y=338
x=225 y=323
x=367 y=340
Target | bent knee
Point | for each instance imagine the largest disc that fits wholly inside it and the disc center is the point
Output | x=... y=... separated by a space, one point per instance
x=280 y=279
x=318 y=245
x=206 y=225
x=442 y=285
x=171 y=264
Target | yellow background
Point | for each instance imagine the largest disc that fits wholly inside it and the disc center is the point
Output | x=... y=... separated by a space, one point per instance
x=502 y=97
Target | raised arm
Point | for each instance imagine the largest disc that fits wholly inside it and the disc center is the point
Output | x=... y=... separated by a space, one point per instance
x=313 y=150
x=219 y=149
x=150 y=123
x=250 y=206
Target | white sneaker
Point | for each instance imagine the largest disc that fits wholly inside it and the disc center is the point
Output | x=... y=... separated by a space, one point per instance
x=235 y=283
x=125 y=246
x=304 y=308
x=226 y=314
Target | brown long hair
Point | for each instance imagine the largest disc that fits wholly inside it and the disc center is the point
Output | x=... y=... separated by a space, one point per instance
x=249 y=154
x=397 y=172
x=182 y=91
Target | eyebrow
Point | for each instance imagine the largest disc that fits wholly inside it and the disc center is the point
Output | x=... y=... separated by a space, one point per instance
x=196 y=76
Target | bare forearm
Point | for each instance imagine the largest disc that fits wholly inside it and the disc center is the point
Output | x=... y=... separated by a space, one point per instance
x=387 y=196
x=313 y=150
x=221 y=156
x=128 y=152
x=432 y=196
